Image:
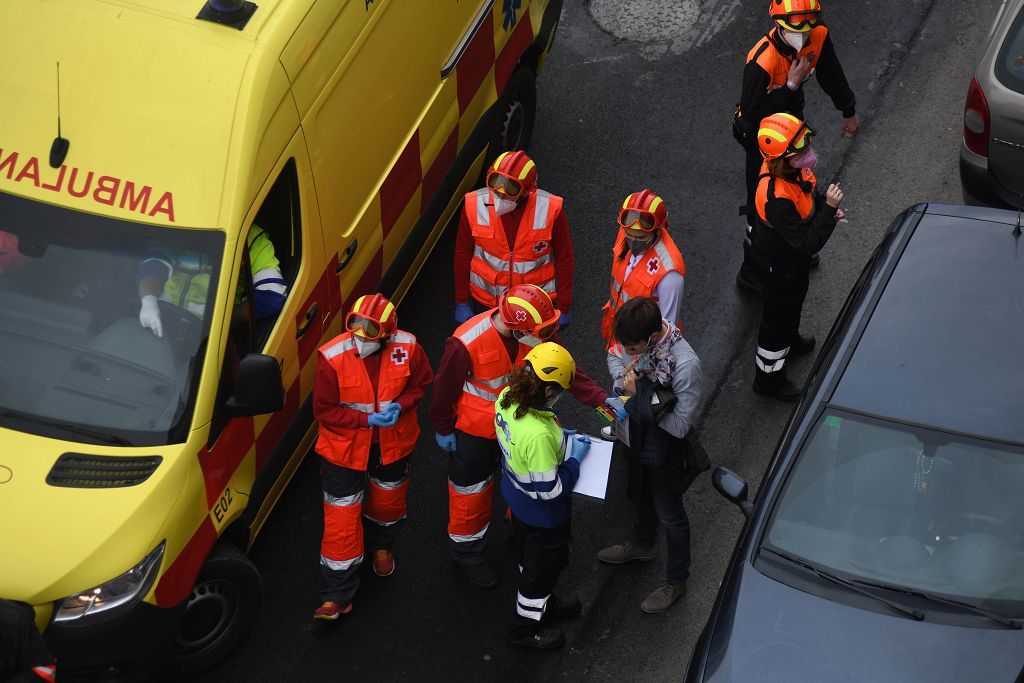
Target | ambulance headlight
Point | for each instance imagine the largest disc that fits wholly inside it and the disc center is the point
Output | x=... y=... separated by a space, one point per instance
x=120 y=592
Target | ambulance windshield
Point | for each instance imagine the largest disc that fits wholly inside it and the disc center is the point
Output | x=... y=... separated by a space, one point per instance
x=103 y=324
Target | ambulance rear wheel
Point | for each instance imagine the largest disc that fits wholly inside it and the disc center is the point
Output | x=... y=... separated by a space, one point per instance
x=219 y=612
x=515 y=112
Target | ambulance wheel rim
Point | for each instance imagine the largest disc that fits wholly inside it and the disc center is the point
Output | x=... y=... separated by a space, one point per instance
x=209 y=614
x=515 y=122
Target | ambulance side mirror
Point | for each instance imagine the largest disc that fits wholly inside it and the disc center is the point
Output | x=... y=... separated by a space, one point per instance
x=258 y=387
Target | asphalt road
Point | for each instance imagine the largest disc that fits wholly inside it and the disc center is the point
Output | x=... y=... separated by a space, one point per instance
x=636 y=93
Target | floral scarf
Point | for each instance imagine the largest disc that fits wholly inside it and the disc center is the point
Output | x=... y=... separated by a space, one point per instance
x=658 y=364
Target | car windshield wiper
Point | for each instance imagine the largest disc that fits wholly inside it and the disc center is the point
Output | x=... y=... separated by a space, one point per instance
x=942 y=600
x=915 y=614
x=102 y=437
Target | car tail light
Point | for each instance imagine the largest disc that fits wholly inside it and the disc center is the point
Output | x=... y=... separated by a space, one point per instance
x=976 y=120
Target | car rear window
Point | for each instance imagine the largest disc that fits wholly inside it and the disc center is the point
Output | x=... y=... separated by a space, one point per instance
x=1010 y=64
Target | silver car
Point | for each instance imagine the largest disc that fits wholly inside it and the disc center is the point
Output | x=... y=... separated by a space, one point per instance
x=992 y=153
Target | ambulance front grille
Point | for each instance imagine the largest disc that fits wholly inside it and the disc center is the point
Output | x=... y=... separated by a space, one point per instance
x=80 y=471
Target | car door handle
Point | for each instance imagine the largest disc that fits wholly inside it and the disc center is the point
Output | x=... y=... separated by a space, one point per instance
x=350 y=251
x=310 y=317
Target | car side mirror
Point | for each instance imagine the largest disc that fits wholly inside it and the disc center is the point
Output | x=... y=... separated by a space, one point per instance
x=258 y=387
x=733 y=488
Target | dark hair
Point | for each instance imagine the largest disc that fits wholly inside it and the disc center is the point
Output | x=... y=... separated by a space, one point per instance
x=636 y=321
x=780 y=167
x=525 y=390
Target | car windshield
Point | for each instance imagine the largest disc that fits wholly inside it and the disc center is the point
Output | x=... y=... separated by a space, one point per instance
x=77 y=363
x=907 y=506
x=1009 y=65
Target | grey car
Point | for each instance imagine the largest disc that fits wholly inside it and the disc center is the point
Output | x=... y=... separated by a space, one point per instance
x=992 y=152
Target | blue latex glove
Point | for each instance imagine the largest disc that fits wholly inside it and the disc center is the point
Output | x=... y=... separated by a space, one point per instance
x=580 y=447
x=393 y=408
x=618 y=405
x=564 y=320
x=385 y=418
x=463 y=312
x=446 y=442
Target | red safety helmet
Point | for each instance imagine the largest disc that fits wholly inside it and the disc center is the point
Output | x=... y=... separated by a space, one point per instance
x=795 y=15
x=372 y=317
x=512 y=175
x=783 y=135
x=527 y=309
x=645 y=211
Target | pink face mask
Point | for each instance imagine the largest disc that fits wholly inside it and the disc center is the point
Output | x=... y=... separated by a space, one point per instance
x=806 y=160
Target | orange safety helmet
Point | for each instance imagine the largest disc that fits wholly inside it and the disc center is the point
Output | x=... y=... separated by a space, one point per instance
x=783 y=135
x=372 y=317
x=512 y=175
x=645 y=211
x=527 y=309
x=795 y=15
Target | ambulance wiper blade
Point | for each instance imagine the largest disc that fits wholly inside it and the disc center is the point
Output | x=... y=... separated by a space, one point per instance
x=102 y=437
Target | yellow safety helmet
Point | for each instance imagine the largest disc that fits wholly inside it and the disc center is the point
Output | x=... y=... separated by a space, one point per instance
x=550 y=362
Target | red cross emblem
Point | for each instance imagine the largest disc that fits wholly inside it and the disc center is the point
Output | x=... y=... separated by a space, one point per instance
x=540 y=246
x=399 y=356
x=521 y=315
x=653 y=264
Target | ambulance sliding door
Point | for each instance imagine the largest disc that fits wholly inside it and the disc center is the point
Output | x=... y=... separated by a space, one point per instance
x=361 y=94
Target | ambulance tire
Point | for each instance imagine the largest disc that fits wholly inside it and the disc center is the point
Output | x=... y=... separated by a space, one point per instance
x=221 y=610
x=515 y=113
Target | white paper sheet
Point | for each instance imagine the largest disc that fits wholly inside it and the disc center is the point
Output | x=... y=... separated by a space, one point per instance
x=595 y=468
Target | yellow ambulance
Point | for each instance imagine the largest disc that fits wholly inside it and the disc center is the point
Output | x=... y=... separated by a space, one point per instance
x=145 y=437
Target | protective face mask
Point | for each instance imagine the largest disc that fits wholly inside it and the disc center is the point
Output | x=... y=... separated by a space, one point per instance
x=529 y=340
x=550 y=403
x=638 y=247
x=366 y=347
x=502 y=205
x=795 y=39
x=808 y=160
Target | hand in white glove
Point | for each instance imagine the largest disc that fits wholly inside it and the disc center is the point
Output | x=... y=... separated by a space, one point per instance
x=149 y=315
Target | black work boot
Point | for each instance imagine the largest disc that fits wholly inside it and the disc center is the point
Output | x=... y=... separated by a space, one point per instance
x=802 y=344
x=541 y=639
x=557 y=609
x=814 y=262
x=479 y=573
x=782 y=390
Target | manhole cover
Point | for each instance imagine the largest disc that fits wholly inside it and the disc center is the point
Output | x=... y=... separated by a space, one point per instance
x=645 y=20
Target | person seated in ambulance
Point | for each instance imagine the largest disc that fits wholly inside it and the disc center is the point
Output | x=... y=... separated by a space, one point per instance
x=182 y=278
x=11 y=259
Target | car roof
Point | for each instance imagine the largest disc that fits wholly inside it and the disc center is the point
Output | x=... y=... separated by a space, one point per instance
x=943 y=345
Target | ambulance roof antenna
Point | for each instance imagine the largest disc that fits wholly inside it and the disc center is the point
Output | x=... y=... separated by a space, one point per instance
x=59 y=148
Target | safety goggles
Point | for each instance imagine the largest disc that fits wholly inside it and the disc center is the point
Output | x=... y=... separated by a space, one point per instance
x=502 y=184
x=363 y=326
x=543 y=331
x=637 y=219
x=801 y=141
x=798 y=21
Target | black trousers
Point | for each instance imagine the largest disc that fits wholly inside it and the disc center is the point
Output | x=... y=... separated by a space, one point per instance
x=542 y=554
x=783 y=300
x=472 y=470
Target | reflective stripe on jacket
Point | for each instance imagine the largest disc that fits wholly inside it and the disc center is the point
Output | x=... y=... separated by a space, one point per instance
x=487 y=376
x=351 y=447
x=661 y=258
x=531 y=261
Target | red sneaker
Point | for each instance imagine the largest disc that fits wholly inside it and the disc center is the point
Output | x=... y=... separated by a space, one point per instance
x=331 y=610
x=383 y=563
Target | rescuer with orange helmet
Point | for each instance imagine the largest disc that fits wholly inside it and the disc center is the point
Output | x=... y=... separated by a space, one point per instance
x=645 y=260
x=369 y=380
x=511 y=233
x=474 y=369
x=798 y=45
x=793 y=223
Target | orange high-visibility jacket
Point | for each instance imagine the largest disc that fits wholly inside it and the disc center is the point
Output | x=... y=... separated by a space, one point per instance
x=785 y=189
x=351 y=447
x=531 y=262
x=661 y=258
x=487 y=376
x=777 y=66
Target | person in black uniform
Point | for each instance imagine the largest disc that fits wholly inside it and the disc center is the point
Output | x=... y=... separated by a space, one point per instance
x=773 y=81
x=23 y=654
x=793 y=223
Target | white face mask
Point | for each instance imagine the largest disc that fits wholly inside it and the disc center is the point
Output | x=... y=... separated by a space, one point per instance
x=795 y=39
x=502 y=205
x=366 y=347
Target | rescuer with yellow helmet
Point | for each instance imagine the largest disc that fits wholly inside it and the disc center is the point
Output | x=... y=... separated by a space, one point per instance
x=793 y=223
x=540 y=466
